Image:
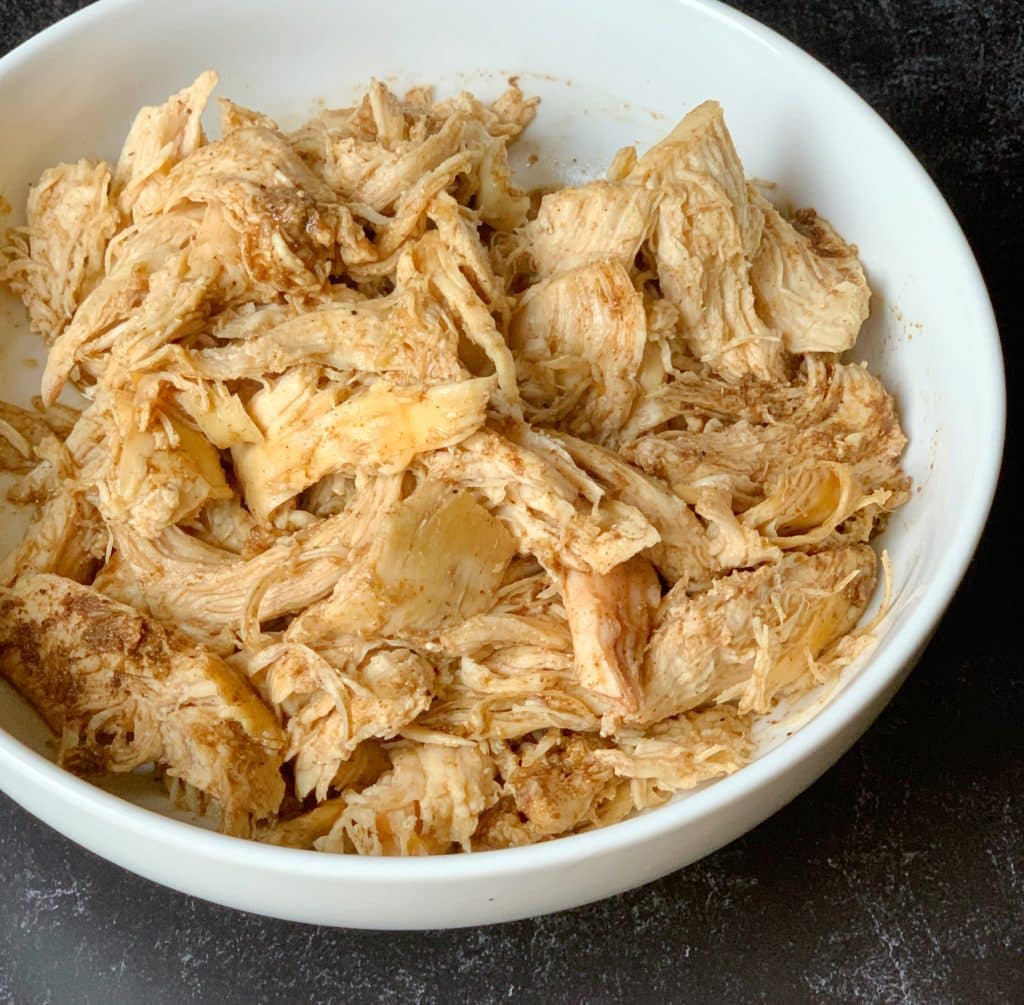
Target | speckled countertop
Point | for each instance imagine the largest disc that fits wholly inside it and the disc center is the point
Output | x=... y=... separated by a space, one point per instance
x=899 y=877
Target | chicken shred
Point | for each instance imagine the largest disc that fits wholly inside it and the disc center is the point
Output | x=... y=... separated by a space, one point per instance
x=410 y=513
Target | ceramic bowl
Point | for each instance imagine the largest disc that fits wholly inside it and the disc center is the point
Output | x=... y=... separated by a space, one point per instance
x=609 y=73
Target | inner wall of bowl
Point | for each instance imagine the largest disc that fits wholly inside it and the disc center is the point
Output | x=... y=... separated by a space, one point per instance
x=596 y=98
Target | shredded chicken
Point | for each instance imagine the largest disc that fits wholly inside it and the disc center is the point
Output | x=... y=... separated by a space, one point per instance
x=410 y=513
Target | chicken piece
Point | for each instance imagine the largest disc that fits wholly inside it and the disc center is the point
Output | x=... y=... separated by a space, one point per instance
x=234 y=117
x=157 y=476
x=344 y=336
x=500 y=204
x=513 y=693
x=309 y=433
x=54 y=262
x=160 y=137
x=67 y=538
x=409 y=219
x=334 y=698
x=506 y=117
x=731 y=543
x=430 y=801
x=751 y=635
x=121 y=691
x=513 y=669
x=430 y=259
x=266 y=209
x=374 y=154
x=368 y=172
x=147 y=298
x=217 y=413
x=684 y=751
x=701 y=147
x=22 y=430
x=458 y=232
x=703 y=274
x=552 y=509
x=843 y=414
x=228 y=525
x=557 y=785
x=603 y=220
x=708 y=228
x=611 y=617
x=406 y=335
x=682 y=553
x=390 y=590
x=809 y=502
x=590 y=315
x=116 y=581
x=212 y=594
x=692 y=398
x=304 y=830
x=809 y=283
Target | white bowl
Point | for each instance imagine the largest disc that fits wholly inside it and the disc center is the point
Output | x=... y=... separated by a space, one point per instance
x=609 y=73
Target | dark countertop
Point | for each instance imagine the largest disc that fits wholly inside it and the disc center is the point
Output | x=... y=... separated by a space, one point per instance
x=898 y=877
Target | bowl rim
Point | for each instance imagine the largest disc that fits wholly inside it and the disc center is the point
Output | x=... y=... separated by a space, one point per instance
x=871 y=682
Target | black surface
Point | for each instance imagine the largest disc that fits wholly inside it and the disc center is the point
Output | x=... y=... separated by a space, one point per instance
x=899 y=877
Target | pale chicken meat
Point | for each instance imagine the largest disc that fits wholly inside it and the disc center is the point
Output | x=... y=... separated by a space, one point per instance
x=514 y=669
x=753 y=634
x=683 y=751
x=844 y=416
x=592 y=223
x=160 y=137
x=408 y=512
x=146 y=298
x=390 y=587
x=682 y=553
x=554 y=785
x=429 y=802
x=707 y=230
x=23 y=429
x=54 y=262
x=333 y=698
x=579 y=341
x=610 y=618
x=552 y=509
x=809 y=283
x=309 y=432
x=211 y=593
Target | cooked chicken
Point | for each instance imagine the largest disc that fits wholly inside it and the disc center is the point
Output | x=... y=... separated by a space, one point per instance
x=57 y=259
x=707 y=231
x=554 y=785
x=552 y=509
x=610 y=618
x=410 y=513
x=389 y=588
x=309 y=433
x=212 y=594
x=160 y=137
x=430 y=801
x=22 y=430
x=683 y=751
x=751 y=635
x=845 y=416
x=333 y=699
x=683 y=551
x=121 y=690
x=809 y=283
x=597 y=222
x=579 y=340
